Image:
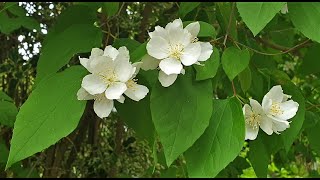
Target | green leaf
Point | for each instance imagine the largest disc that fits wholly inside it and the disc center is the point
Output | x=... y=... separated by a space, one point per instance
x=245 y=79
x=10 y=24
x=186 y=7
x=5 y=97
x=111 y=8
x=259 y=157
x=313 y=136
x=210 y=67
x=78 y=38
x=310 y=59
x=130 y=44
x=311 y=120
x=222 y=141
x=257 y=15
x=51 y=112
x=305 y=17
x=234 y=61
x=206 y=29
x=181 y=113
x=16 y=9
x=137 y=54
x=137 y=115
x=8 y=113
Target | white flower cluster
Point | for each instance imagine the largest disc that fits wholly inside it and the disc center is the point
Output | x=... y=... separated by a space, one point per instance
x=272 y=115
x=112 y=75
x=172 y=47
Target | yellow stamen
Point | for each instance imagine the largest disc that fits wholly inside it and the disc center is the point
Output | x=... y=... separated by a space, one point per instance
x=275 y=109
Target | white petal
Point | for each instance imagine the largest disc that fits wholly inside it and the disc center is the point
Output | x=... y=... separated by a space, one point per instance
x=247 y=111
x=179 y=36
x=266 y=104
x=170 y=66
x=166 y=80
x=182 y=71
x=93 y=84
x=123 y=53
x=191 y=54
x=149 y=62
x=279 y=126
x=123 y=70
x=137 y=66
x=115 y=90
x=102 y=107
x=121 y=99
x=289 y=109
x=266 y=124
x=95 y=52
x=177 y=23
x=275 y=94
x=85 y=63
x=159 y=31
x=256 y=107
x=111 y=52
x=251 y=133
x=136 y=92
x=82 y=94
x=193 y=28
x=158 y=47
x=101 y=64
x=206 y=51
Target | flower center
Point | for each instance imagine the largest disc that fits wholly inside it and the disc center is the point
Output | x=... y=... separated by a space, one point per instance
x=176 y=51
x=99 y=97
x=254 y=120
x=132 y=84
x=108 y=78
x=275 y=109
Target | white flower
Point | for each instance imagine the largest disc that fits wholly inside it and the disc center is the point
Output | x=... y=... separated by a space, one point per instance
x=255 y=118
x=277 y=106
x=172 y=47
x=112 y=75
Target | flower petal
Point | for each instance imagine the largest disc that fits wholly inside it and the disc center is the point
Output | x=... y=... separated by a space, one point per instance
x=158 y=47
x=251 y=133
x=95 y=52
x=266 y=124
x=193 y=28
x=170 y=66
x=123 y=53
x=102 y=107
x=279 y=126
x=82 y=94
x=93 y=84
x=121 y=99
x=149 y=62
x=159 y=31
x=166 y=80
x=111 y=52
x=123 y=69
x=247 y=111
x=206 y=51
x=256 y=107
x=191 y=54
x=177 y=23
x=137 y=66
x=289 y=109
x=85 y=63
x=136 y=92
x=266 y=104
x=179 y=36
x=275 y=94
x=101 y=64
x=116 y=90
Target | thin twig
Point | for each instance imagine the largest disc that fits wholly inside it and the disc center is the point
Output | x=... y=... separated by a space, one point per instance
x=229 y=24
x=120 y=8
x=313 y=106
x=234 y=89
x=113 y=36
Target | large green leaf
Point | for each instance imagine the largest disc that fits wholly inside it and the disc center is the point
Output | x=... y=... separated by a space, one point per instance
x=57 y=52
x=222 y=141
x=111 y=8
x=51 y=112
x=234 y=61
x=8 y=112
x=5 y=97
x=310 y=60
x=257 y=15
x=224 y=10
x=130 y=44
x=138 y=53
x=137 y=115
x=313 y=136
x=206 y=29
x=306 y=18
x=245 y=79
x=259 y=157
x=186 y=7
x=210 y=67
x=10 y=24
x=181 y=113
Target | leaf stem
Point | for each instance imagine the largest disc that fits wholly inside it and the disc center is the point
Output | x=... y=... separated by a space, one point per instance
x=229 y=24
